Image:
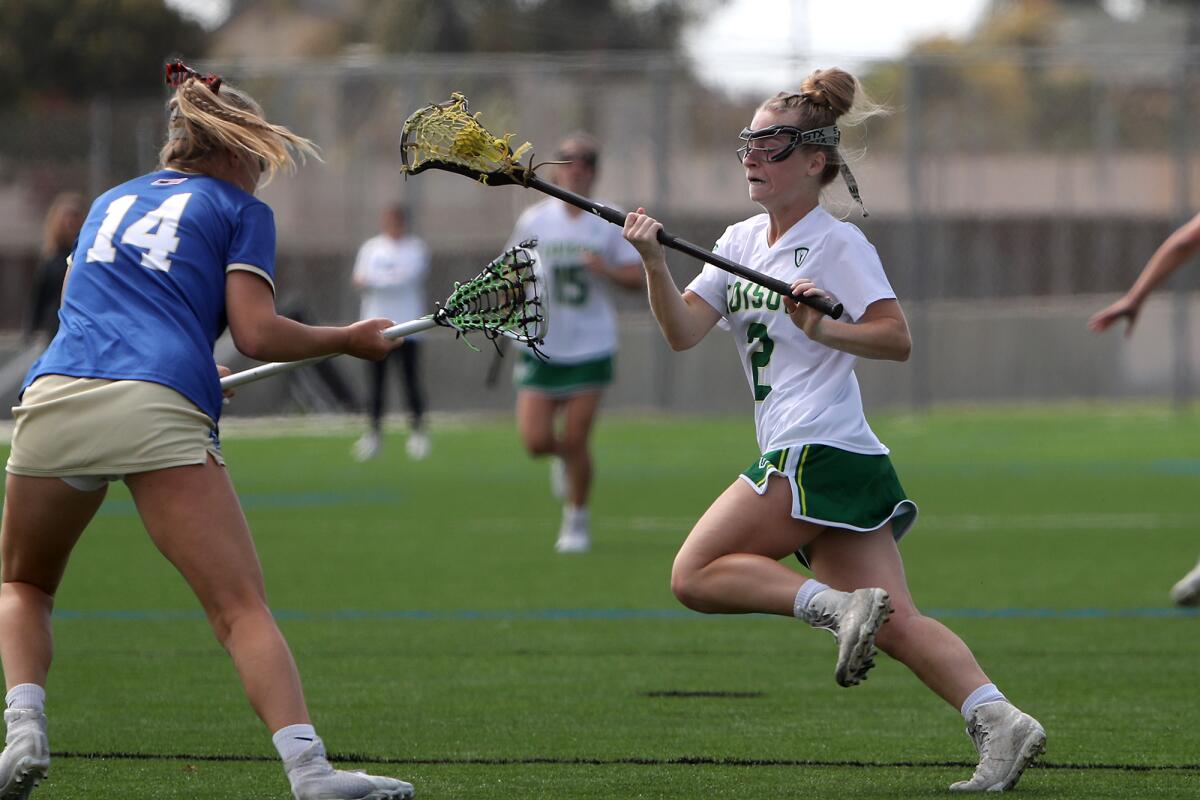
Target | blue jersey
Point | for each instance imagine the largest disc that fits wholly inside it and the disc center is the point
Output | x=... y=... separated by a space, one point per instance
x=145 y=297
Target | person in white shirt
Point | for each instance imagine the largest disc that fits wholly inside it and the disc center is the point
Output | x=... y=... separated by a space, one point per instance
x=823 y=487
x=390 y=273
x=579 y=257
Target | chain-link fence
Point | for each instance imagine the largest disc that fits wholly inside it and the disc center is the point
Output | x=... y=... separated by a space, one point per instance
x=1007 y=191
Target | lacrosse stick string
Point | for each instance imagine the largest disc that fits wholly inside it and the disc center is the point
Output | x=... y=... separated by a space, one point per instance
x=493 y=372
x=445 y=136
x=502 y=301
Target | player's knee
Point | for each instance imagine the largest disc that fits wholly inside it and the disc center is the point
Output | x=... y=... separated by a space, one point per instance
x=539 y=444
x=28 y=590
x=686 y=586
x=575 y=445
x=232 y=614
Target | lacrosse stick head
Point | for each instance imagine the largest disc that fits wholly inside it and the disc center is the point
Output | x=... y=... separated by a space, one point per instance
x=503 y=300
x=446 y=136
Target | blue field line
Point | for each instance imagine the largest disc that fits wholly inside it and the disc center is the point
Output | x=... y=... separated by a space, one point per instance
x=282 y=500
x=606 y=614
x=1029 y=469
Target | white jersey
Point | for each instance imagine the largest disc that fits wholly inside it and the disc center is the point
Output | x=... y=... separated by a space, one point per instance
x=393 y=272
x=581 y=320
x=805 y=393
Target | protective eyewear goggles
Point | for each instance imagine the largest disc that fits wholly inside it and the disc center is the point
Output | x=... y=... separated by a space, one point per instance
x=777 y=142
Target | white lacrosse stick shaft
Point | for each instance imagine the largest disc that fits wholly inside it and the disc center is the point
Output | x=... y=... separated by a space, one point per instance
x=276 y=367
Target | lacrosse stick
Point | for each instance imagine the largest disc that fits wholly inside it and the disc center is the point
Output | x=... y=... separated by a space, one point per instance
x=446 y=136
x=503 y=300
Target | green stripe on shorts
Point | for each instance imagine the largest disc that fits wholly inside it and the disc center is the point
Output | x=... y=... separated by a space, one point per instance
x=531 y=372
x=774 y=460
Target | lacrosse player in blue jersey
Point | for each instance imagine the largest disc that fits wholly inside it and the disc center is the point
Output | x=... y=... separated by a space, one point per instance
x=128 y=390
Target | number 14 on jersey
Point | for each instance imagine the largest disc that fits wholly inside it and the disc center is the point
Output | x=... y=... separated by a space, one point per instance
x=153 y=233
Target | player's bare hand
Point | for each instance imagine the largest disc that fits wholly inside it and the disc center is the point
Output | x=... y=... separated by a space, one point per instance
x=641 y=231
x=222 y=371
x=594 y=263
x=365 y=339
x=805 y=317
x=1125 y=308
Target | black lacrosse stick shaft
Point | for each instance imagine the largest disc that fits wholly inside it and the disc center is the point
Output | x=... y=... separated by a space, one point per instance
x=822 y=304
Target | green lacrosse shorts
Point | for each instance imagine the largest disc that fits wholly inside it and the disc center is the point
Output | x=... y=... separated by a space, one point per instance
x=561 y=380
x=853 y=491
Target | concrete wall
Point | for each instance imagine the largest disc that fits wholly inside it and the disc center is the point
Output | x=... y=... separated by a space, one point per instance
x=966 y=352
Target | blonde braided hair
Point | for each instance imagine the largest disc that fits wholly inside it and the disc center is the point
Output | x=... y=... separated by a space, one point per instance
x=203 y=121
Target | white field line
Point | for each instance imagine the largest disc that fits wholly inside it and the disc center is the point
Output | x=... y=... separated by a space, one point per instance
x=965 y=523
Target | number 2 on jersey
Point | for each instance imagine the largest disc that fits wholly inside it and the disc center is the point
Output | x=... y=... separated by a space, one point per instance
x=154 y=232
x=760 y=357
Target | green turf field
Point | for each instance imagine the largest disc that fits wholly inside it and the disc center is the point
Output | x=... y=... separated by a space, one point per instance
x=441 y=640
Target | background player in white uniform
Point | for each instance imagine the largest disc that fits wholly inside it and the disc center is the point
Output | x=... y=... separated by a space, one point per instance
x=580 y=255
x=823 y=486
x=1173 y=253
x=390 y=272
x=128 y=389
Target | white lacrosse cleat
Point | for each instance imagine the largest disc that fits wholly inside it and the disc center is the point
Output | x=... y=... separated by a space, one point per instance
x=367 y=446
x=418 y=445
x=1008 y=740
x=26 y=757
x=854 y=618
x=558 y=478
x=573 y=539
x=314 y=778
x=1187 y=591
x=573 y=542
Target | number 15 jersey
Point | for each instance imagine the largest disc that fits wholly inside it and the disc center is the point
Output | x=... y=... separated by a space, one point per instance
x=581 y=322
x=804 y=392
x=145 y=296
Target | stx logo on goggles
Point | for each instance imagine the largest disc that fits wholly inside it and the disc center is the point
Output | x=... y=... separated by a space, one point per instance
x=776 y=142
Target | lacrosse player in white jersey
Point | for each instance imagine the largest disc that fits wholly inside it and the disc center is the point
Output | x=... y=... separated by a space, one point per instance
x=580 y=257
x=823 y=487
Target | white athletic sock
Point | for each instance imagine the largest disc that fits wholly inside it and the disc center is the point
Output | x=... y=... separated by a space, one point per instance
x=292 y=740
x=988 y=693
x=575 y=517
x=810 y=589
x=26 y=695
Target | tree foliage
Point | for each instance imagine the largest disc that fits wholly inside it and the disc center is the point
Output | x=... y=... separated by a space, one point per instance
x=63 y=50
x=1020 y=94
x=497 y=26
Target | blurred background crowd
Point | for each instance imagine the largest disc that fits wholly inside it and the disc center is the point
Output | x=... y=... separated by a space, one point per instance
x=1036 y=155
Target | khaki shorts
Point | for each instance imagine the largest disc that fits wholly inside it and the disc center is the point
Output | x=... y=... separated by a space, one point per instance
x=89 y=431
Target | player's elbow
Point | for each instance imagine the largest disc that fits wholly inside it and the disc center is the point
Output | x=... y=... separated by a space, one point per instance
x=679 y=342
x=683 y=337
x=251 y=341
x=1183 y=245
